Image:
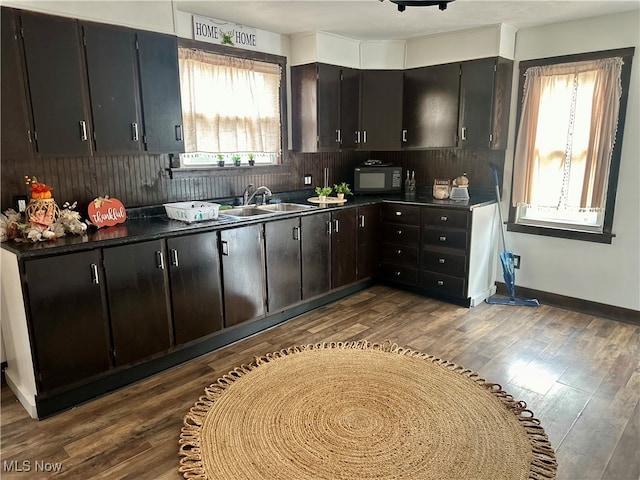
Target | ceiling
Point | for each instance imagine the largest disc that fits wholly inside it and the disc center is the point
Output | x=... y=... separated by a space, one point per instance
x=381 y=20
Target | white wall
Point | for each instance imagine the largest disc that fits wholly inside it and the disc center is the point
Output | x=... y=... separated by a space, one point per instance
x=602 y=273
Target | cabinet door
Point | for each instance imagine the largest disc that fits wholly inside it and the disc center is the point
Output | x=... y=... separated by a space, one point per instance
x=57 y=84
x=136 y=288
x=196 y=290
x=282 y=251
x=328 y=107
x=68 y=318
x=15 y=135
x=316 y=254
x=343 y=248
x=476 y=103
x=349 y=108
x=381 y=110
x=430 y=106
x=304 y=107
x=243 y=274
x=368 y=223
x=113 y=82
x=160 y=91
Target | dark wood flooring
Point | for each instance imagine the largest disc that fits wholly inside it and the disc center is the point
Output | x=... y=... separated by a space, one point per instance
x=578 y=373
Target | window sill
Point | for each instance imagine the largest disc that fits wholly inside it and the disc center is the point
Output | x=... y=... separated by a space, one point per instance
x=604 y=237
x=227 y=170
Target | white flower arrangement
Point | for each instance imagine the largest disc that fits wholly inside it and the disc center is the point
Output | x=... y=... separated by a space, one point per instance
x=69 y=221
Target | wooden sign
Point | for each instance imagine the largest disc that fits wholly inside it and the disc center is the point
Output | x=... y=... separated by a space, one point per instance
x=220 y=32
x=107 y=212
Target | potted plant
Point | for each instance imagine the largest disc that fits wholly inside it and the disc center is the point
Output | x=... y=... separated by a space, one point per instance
x=342 y=189
x=220 y=160
x=322 y=193
x=236 y=160
x=252 y=161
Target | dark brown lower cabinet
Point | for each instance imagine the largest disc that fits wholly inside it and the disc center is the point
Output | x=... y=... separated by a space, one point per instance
x=138 y=301
x=343 y=247
x=316 y=254
x=69 y=322
x=282 y=255
x=368 y=223
x=243 y=274
x=196 y=289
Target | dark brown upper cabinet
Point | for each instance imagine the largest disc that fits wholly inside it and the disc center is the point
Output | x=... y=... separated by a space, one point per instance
x=16 y=128
x=159 y=74
x=57 y=84
x=430 y=106
x=485 y=88
x=316 y=107
x=113 y=83
x=349 y=108
x=380 y=110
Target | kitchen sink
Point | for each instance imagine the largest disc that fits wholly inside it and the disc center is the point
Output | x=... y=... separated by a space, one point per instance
x=252 y=211
x=285 y=207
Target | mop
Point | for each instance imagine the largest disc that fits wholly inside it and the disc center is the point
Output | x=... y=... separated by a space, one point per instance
x=507 y=260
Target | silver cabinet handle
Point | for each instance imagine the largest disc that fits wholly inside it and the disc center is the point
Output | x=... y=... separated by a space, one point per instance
x=443 y=238
x=404 y=135
x=398 y=214
x=397 y=274
x=336 y=225
x=179 y=133
x=83 y=130
x=464 y=133
x=329 y=229
x=338 y=136
x=296 y=233
x=357 y=136
x=441 y=260
x=398 y=232
x=225 y=247
x=95 y=279
x=440 y=283
x=361 y=221
x=444 y=218
x=399 y=251
x=160 y=260
x=364 y=136
x=134 y=129
x=174 y=257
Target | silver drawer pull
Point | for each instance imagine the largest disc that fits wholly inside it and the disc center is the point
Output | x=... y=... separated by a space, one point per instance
x=95 y=279
x=399 y=232
x=399 y=251
x=160 y=260
x=225 y=247
x=398 y=214
x=441 y=260
x=134 y=132
x=443 y=238
x=397 y=274
x=83 y=130
x=444 y=219
x=440 y=283
x=174 y=257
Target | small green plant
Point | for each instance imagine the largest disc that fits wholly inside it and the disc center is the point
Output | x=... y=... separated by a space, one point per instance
x=342 y=188
x=236 y=160
x=251 y=159
x=323 y=191
x=220 y=160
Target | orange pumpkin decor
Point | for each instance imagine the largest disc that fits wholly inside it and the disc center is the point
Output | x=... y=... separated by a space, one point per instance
x=38 y=190
x=106 y=212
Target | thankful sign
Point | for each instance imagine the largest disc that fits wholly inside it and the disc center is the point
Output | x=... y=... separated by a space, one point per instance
x=106 y=212
x=220 y=32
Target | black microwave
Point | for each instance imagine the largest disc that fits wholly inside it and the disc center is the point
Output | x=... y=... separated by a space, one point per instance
x=380 y=179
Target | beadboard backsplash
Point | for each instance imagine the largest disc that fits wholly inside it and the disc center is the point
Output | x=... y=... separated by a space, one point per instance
x=141 y=180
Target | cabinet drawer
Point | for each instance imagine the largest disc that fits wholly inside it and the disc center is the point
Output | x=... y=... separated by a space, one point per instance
x=405 y=214
x=401 y=234
x=444 y=238
x=440 y=217
x=443 y=283
x=442 y=262
x=400 y=255
x=399 y=274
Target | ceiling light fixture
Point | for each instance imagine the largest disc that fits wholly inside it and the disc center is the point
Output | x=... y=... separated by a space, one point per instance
x=403 y=4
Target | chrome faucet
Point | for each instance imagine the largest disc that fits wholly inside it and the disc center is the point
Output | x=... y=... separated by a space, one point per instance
x=264 y=190
x=245 y=194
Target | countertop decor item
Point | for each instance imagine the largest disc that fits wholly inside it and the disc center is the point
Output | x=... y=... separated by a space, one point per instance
x=326 y=200
x=360 y=410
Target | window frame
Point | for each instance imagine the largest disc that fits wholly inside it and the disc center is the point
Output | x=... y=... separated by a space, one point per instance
x=285 y=165
x=607 y=235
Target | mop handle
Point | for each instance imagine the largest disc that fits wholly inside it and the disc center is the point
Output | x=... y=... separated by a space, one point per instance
x=496 y=181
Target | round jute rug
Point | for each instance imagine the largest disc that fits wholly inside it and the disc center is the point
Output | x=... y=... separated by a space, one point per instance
x=360 y=411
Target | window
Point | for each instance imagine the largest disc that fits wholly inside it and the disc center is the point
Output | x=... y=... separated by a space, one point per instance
x=231 y=109
x=568 y=146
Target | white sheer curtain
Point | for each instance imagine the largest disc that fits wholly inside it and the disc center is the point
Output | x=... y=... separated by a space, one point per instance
x=229 y=104
x=566 y=135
